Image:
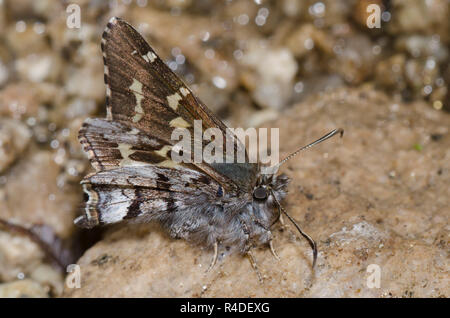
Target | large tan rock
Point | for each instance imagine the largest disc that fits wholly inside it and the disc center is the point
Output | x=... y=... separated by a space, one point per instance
x=376 y=200
x=30 y=194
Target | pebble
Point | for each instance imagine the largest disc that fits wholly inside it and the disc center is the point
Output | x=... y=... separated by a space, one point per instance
x=14 y=138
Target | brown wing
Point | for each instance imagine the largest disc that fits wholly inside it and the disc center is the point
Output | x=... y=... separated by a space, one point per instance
x=146 y=97
x=143 y=194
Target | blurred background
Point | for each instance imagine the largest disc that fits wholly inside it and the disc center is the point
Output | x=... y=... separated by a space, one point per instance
x=247 y=60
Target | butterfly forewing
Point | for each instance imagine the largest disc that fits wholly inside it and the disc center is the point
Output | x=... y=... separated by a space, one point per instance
x=112 y=144
x=142 y=193
x=142 y=92
x=135 y=70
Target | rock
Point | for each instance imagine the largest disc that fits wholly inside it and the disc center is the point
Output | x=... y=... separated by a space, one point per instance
x=419 y=46
x=419 y=74
x=17 y=100
x=216 y=98
x=69 y=137
x=389 y=73
x=86 y=83
x=328 y=12
x=23 y=40
x=23 y=289
x=375 y=201
x=14 y=138
x=44 y=9
x=80 y=107
x=316 y=84
x=308 y=37
x=39 y=67
x=21 y=258
x=262 y=117
x=270 y=86
x=355 y=58
x=2 y=16
x=26 y=100
x=4 y=73
x=33 y=195
x=18 y=255
x=417 y=16
x=48 y=277
x=292 y=8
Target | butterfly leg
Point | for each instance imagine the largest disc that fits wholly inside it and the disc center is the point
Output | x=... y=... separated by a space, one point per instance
x=214 y=260
x=279 y=218
x=272 y=249
x=254 y=265
x=282 y=220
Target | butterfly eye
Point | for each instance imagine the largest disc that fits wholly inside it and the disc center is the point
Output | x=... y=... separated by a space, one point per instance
x=260 y=193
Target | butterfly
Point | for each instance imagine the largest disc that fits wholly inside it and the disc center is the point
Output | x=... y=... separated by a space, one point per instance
x=216 y=205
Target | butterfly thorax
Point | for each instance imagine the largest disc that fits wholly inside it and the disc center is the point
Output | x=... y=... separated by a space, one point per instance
x=262 y=212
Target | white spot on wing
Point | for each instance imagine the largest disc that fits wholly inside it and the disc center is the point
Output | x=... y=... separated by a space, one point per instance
x=173 y=100
x=179 y=123
x=136 y=88
x=168 y=164
x=149 y=57
x=184 y=91
x=113 y=20
x=115 y=213
x=126 y=152
x=92 y=201
x=108 y=112
x=163 y=151
x=134 y=131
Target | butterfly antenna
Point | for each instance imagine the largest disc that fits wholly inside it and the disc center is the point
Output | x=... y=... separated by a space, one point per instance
x=310 y=240
x=318 y=141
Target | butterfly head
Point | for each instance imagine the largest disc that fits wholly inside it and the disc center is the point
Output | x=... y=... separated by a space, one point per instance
x=260 y=193
x=268 y=191
x=270 y=184
x=267 y=184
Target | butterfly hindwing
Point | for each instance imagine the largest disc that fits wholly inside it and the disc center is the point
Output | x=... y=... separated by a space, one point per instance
x=143 y=193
